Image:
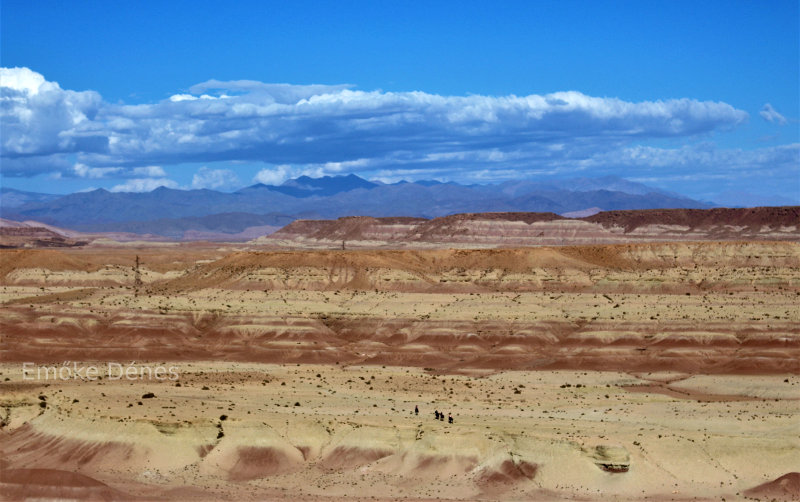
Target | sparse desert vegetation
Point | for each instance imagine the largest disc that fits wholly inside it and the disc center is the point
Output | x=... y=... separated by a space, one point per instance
x=650 y=370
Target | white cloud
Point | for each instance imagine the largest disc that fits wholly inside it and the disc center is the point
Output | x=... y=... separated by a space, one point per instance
x=642 y=163
x=214 y=178
x=701 y=171
x=321 y=129
x=333 y=128
x=188 y=97
x=38 y=118
x=702 y=159
x=704 y=171
x=274 y=175
x=344 y=166
x=25 y=81
x=770 y=114
x=181 y=97
x=144 y=185
x=149 y=171
x=83 y=171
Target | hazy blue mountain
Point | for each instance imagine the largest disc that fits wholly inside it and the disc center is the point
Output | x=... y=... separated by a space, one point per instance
x=230 y=223
x=11 y=198
x=609 y=183
x=170 y=212
x=409 y=199
x=607 y=199
x=747 y=199
x=102 y=206
x=305 y=186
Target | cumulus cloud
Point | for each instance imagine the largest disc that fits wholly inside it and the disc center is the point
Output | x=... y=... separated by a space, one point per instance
x=263 y=92
x=144 y=185
x=38 y=118
x=331 y=128
x=149 y=171
x=188 y=97
x=214 y=178
x=770 y=114
x=274 y=175
x=84 y=171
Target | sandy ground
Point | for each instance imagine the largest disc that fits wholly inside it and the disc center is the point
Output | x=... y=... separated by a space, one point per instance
x=253 y=431
x=647 y=372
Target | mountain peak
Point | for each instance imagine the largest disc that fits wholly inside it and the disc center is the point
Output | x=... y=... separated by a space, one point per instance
x=306 y=186
x=300 y=179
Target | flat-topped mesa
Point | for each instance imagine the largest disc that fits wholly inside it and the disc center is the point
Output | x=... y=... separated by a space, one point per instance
x=35 y=237
x=360 y=228
x=526 y=217
x=754 y=218
x=459 y=224
x=488 y=229
x=546 y=229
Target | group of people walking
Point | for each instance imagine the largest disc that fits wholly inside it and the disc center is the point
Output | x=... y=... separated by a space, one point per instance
x=438 y=415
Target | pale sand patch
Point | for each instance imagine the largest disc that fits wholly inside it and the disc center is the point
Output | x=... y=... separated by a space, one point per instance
x=355 y=427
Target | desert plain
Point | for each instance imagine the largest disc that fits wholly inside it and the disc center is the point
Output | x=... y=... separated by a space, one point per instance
x=640 y=371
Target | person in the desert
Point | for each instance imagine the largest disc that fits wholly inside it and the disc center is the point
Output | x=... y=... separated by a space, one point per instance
x=416 y=410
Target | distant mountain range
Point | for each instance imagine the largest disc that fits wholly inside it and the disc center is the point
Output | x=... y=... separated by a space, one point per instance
x=178 y=213
x=10 y=198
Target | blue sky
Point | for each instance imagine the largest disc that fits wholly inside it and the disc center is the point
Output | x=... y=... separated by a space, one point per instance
x=696 y=97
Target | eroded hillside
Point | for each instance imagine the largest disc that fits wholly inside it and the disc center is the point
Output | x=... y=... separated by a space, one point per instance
x=697 y=307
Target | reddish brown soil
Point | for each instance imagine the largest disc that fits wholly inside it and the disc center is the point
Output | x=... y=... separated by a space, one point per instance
x=54 y=484
x=46 y=259
x=786 y=487
x=621 y=307
x=88 y=259
x=335 y=416
x=348 y=228
x=450 y=346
